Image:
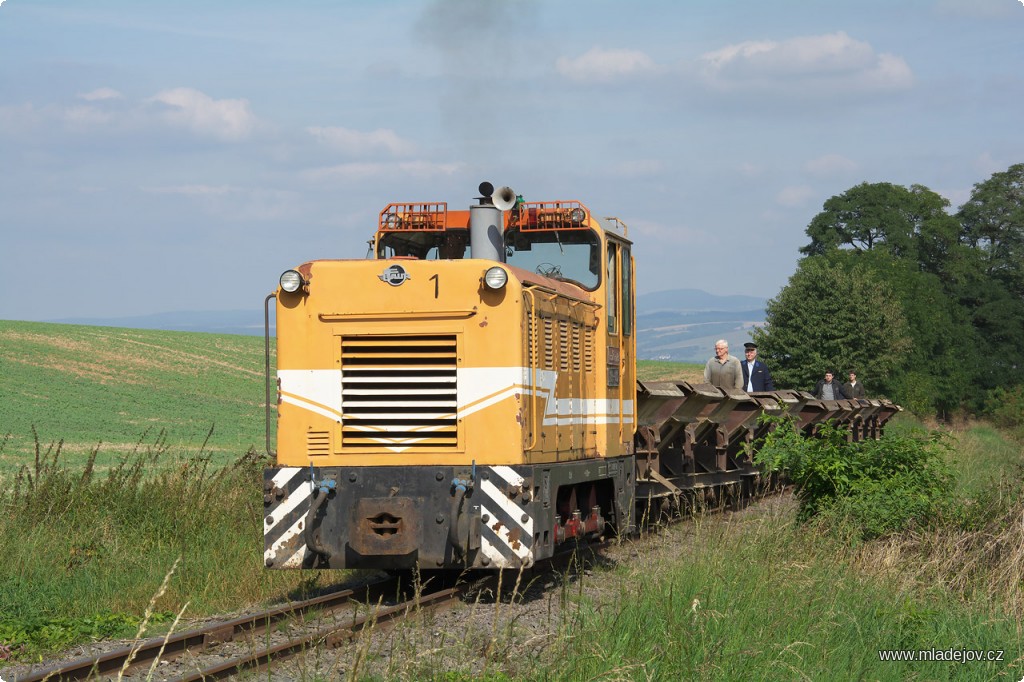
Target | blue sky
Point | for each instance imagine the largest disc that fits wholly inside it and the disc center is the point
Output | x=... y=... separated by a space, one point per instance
x=179 y=156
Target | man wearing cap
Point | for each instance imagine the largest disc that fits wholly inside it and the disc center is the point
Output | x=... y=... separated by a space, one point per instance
x=756 y=376
x=827 y=389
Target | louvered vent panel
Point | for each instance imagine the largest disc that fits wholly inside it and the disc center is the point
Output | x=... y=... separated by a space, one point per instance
x=549 y=344
x=531 y=329
x=577 y=347
x=563 y=345
x=318 y=443
x=588 y=349
x=399 y=391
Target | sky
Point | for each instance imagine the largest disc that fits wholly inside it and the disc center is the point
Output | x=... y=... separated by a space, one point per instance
x=174 y=156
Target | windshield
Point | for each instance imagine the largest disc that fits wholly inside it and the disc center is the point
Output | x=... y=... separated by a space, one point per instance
x=429 y=245
x=567 y=255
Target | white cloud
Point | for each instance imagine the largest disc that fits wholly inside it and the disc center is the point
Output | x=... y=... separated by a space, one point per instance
x=86 y=116
x=599 y=65
x=356 y=171
x=825 y=63
x=356 y=143
x=830 y=164
x=794 y=195
x=227 y=119
x=100 y=94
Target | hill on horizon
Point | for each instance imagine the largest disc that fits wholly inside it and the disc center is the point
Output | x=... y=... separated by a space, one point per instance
x=679 y=324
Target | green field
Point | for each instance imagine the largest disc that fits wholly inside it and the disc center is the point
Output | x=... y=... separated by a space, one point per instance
x=116 y=387
x=119 y=388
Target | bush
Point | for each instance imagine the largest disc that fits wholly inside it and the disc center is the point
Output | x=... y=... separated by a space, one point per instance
x=1005 y=407
x=874 y=487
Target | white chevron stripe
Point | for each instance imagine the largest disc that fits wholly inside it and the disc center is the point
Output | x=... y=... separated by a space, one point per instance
x=497 y=500
x=288 y=505
x=319 y=391
x=295 y=560
x=293 y=530
x=284 y=475
x=508 y=474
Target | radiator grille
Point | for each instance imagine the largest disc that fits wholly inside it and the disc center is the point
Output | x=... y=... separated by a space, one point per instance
x=399 y=391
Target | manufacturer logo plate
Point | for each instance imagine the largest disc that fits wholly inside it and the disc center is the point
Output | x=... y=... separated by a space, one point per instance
x=395 y=275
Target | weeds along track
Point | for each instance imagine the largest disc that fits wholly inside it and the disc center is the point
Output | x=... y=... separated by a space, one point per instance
x=253 y=641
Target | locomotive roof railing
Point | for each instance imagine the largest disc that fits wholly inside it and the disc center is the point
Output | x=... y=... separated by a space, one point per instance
x=421 y=216
x=549 y=215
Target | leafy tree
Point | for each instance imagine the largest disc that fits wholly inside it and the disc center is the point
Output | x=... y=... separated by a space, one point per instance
x=910 y=224
x=941 y=363
x=907 y=237
x=993 y=224
x=830 y=316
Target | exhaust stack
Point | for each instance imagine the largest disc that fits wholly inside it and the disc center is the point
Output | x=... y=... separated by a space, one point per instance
x=486 y=234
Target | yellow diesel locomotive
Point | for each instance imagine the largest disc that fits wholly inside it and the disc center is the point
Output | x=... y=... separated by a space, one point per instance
x=464 y=397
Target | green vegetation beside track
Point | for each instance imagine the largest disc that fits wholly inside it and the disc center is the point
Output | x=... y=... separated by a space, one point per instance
x=90 y=534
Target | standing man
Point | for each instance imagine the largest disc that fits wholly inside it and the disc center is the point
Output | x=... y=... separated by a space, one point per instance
x=756 y=376
x=827 y=389
x=853 y=388
x=723 y=370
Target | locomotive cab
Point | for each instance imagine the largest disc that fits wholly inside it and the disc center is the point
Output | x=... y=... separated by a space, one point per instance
x=465 y=398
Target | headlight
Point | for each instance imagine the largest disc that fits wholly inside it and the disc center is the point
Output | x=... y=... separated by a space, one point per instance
x=291 y=280
x=577 y=216
x=495 y=278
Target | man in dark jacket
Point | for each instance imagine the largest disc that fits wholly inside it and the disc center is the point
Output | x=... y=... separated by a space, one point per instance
x=853 y=388
x=756 y=376
x=827 y=389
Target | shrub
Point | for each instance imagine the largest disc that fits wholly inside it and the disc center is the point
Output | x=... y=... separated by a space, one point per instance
x=874 y=487
x=1005 y=407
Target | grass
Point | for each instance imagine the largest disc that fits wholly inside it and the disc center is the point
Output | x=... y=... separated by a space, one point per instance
x=84 y=550
x=87 y=385
x=82 y=386
x=91 y=532
x=664 y=370
x=764 y=599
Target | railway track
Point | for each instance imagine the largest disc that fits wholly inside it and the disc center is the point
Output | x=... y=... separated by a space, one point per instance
x=256 y=641
x=206 y=653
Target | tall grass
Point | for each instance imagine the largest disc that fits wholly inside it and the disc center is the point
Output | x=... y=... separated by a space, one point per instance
x=82 y=547
x=766 y=599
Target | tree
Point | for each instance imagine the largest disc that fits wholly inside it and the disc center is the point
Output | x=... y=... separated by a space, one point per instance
x=911 y=224
x=832 y=317
x=992 y=226
x=993 y=223
x=907 y=238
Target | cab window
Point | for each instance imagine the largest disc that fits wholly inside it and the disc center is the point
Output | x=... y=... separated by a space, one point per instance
x=627 y=292
x=425 y=245
x=612 y=288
